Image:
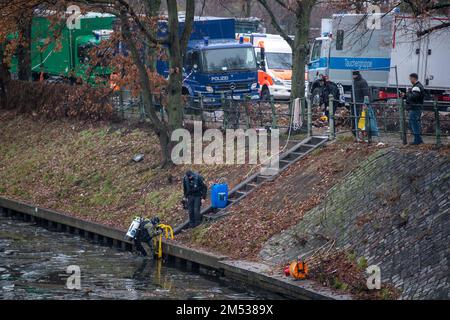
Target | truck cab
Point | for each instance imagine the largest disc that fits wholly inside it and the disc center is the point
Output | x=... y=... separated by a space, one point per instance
x=82 y=66
x=215 y=65
x=67 y=56
x=318 y=62
x=274 y=57
x=213 y=68
x=348 y=43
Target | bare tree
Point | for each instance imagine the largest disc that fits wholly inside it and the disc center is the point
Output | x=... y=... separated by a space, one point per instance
x=301 y=9
x=176 y=47
x=137 y=28
x=426 y=8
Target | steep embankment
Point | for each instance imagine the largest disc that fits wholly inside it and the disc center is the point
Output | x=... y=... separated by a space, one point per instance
x=85 y=169
x=279 y=204
x=393 y=212
x=344 y=208
x=347 y=205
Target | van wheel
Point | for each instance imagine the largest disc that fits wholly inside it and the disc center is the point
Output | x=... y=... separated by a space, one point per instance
x=265 y=94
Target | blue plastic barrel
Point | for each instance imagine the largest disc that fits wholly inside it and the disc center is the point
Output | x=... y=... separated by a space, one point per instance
x=219 y=195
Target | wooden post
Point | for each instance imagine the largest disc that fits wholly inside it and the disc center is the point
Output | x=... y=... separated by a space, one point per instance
x=225 y=115
x=200 y=99
x=274 y=113
x=247 y=114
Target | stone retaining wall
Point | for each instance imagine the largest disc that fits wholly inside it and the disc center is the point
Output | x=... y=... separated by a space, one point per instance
x=394 y=211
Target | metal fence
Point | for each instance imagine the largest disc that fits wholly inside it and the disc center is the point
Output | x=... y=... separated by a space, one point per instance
x=233 y=114
x=387 y=118
x=128 y=106
x=228 y=113
x=390 y=117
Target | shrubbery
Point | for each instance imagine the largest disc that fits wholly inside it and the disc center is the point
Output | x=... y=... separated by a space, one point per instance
x=57 y=100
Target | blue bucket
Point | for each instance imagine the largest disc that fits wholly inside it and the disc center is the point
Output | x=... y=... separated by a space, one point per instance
x=219 y=195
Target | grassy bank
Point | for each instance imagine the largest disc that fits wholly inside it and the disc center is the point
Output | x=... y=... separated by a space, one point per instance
x=86 y=170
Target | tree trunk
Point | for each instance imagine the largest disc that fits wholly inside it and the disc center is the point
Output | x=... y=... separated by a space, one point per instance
x=247 y=8
x=177 y=47
x=158 y=125
x=4 y=79
x=166 y=149
x=151 y=9
x=300 y=49
x=24 y=48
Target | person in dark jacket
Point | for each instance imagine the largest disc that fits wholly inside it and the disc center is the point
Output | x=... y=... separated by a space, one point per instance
x=361 y=90
x=328 y=87
x=194 y=190
x=414 y=104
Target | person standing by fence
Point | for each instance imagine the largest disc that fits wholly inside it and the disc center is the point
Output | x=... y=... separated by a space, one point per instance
x=360 y=90
x=328 y=88
x=414 y=104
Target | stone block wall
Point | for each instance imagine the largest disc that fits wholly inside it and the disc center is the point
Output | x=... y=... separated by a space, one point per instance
x=393 y=211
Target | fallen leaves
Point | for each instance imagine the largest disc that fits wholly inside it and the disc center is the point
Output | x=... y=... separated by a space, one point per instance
x=280 y=204
x=84 y=169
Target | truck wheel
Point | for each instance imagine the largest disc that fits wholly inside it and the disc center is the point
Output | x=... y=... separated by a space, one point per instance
x=265 y=94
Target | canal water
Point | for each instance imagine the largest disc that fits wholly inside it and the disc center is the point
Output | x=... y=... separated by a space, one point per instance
x=34 y=261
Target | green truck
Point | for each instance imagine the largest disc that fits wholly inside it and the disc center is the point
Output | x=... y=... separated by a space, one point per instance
x=60 y=52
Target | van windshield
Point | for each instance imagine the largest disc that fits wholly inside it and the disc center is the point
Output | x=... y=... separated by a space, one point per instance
x=315 y=55
x=279 y=60
x=220 y=60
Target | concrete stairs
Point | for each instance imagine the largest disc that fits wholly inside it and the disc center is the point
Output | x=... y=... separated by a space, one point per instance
x=296 y=152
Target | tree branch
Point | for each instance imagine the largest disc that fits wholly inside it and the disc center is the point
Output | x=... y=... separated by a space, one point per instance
x=130 y=11
x=435 y=28
x=145 y=81
x=188 y=24
x=275 y=23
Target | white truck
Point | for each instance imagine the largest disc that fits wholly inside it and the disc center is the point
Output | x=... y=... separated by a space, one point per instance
x=385 y=48
x=274 y=56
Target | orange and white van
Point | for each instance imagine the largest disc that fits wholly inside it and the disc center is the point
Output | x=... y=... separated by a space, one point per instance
x=274 y=57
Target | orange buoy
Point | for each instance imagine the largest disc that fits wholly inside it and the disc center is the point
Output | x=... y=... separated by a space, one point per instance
x=298 y=269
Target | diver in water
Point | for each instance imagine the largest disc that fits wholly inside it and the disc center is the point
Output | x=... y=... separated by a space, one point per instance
x=148 y=229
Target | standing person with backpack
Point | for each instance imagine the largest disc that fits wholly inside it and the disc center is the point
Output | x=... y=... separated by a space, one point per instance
x=414 y=104
x=194 y=190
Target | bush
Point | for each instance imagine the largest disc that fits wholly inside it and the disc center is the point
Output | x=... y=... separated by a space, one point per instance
x=56 y=100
